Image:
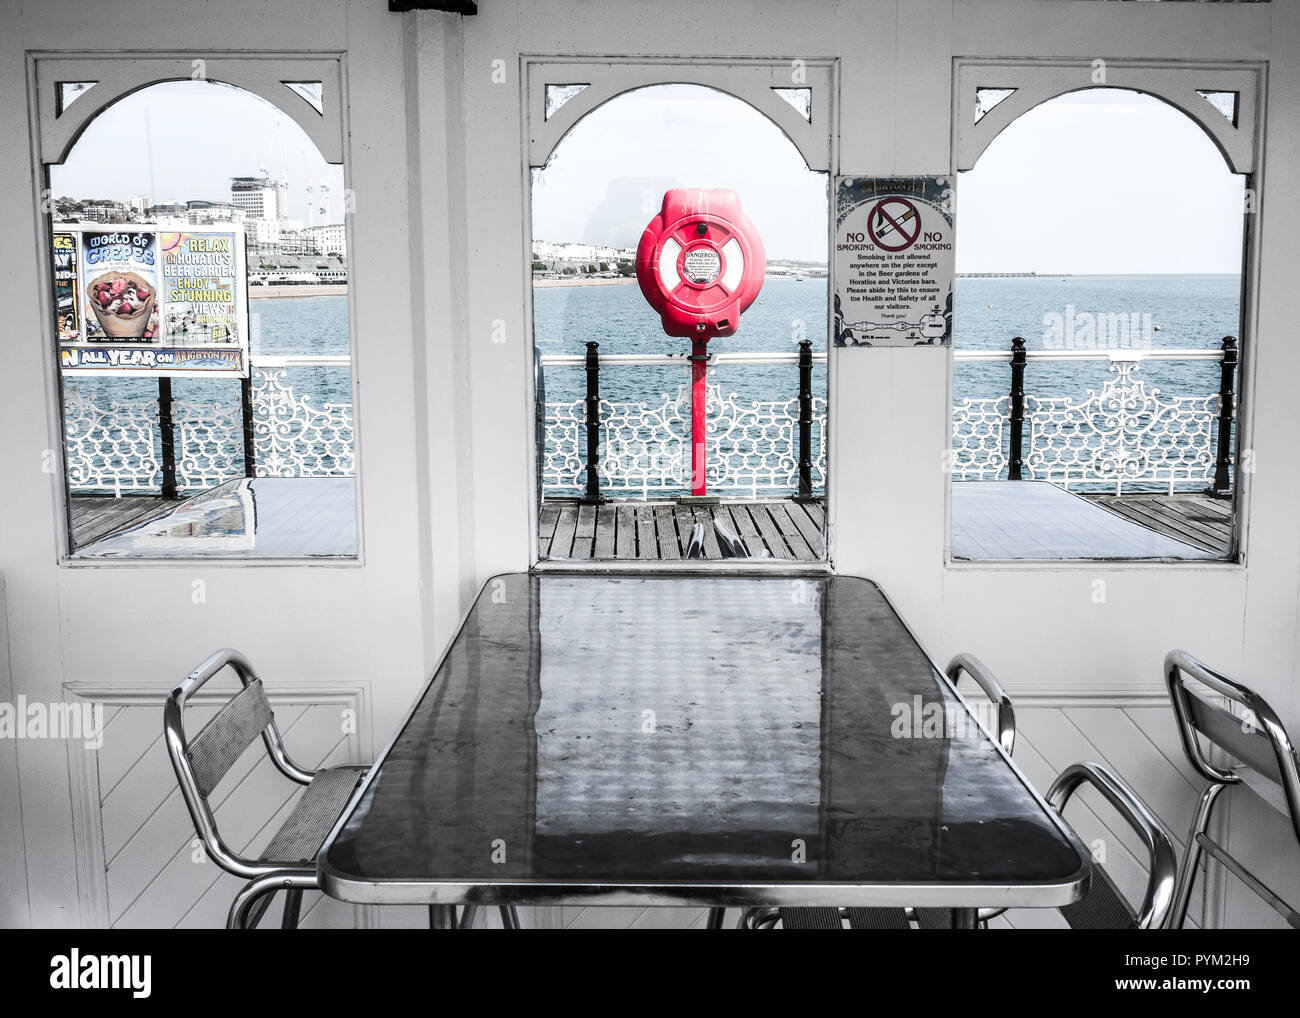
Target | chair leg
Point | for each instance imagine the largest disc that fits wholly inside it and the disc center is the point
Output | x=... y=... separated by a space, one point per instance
x=716 y=918
x=249 y=904
x=1192 y=856
x=467 y=916
x=292 y=909
x=509 y=917
x=442 y=917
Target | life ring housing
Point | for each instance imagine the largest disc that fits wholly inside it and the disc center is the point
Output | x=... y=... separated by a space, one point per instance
x=700 y=262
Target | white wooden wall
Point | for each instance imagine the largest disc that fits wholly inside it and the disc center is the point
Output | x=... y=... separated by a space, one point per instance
x=438 y=247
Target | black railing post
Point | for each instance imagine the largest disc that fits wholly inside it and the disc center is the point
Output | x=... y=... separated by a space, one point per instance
x=539 y=419
x=593 y=496
x=1016 y=460
x=1227 y=398
x=805 y=421
x=246 y=404
x=167 y=427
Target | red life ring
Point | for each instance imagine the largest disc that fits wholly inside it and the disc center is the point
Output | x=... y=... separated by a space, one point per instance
x=700 y=263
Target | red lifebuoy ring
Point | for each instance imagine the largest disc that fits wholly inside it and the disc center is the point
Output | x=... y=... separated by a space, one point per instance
x=700 y=262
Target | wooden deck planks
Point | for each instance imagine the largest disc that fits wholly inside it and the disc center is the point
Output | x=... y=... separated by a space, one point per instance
x=1199 y=520
x=606 y=521
x=547 y=519
x=625 y=532
x=95 y=517
x=661 y=531
x=666 y=531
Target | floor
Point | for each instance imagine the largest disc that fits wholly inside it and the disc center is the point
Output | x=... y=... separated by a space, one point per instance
x=775 y=528
x=263 y=517
x=1197 y=519
x=1036 y=520
x=97 y=516
x=991 y=520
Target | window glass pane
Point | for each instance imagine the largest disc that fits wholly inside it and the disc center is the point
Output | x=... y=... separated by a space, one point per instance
x=1122 y=276
x=202 y=314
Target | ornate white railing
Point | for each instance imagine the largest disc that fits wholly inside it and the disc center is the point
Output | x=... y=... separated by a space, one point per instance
x=752 y=444
x=1121 y=433
x=112 y=447
x=117 y=448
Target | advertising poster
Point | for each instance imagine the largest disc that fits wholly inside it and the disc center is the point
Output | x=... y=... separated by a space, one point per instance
x=121 y=285
x=893 y=261
x=67 y=317
x=151 y=301
x=200 y=280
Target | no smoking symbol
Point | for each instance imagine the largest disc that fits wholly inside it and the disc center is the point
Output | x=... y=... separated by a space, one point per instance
x=894 y=224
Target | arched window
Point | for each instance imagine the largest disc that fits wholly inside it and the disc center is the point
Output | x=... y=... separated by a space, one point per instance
x=1098 y=324
x=599 y=179
x=201 y=315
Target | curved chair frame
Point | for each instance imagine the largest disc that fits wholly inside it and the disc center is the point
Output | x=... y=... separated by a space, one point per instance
x=1159 y=895
x=1199 y=719
x=265 y=876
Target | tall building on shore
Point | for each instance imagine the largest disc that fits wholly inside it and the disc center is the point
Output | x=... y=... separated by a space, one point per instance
x=256 y=197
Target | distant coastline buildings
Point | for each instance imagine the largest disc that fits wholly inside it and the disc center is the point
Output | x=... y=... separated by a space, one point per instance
x=552 y=260
x=258 y=205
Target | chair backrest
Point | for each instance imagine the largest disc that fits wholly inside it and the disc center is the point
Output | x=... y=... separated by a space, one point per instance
x=696 y=547
x=969 y=664
x=1104 y=907
x=200 y=763
x=1243 y=725
x=728 y=541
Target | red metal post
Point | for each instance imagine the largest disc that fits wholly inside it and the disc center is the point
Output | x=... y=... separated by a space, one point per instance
x=699 y=374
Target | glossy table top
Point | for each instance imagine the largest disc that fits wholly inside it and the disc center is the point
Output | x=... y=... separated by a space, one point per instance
x=677 y=739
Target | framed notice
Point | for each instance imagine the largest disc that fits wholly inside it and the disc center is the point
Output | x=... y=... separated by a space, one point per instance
x=141 y=300
x=893 y=261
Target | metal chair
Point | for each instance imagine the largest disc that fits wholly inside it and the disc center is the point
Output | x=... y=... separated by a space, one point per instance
x=288 y=862
x=1102 y=908
x=901 y=918
x=1242 y=726
x=696 y=547
x=729 y=542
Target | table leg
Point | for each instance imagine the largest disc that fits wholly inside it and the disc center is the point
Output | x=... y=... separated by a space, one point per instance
x=965 y=918
x=442 y=917
x=715 y=918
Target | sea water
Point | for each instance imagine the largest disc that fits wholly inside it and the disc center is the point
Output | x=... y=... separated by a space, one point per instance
x=1170 y=313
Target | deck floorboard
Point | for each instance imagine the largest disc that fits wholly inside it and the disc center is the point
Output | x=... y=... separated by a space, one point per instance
x=95 y=517
x=1200 y=520
x=662 y=530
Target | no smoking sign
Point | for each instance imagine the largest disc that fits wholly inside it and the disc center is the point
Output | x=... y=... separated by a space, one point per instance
x=893 y=267
x=894 y=224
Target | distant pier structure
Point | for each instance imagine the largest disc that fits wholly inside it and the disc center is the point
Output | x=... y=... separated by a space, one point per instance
x=989 y=275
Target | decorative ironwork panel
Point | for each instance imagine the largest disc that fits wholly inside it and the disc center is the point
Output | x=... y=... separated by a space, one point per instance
x=209 y=444
x=753 y=445
x=978 y=427
x=293 y=438
x=1121 y=435
x=111 y=449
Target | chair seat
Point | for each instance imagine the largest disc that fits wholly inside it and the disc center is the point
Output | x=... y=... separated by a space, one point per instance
x=316 y=811
x=1265 y=787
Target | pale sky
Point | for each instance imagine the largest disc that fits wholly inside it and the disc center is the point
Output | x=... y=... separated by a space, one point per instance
x=606 y=179
x=1101 y=181
x=184 y=140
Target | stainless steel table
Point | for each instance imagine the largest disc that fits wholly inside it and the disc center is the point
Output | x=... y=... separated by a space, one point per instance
x=609 y=739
